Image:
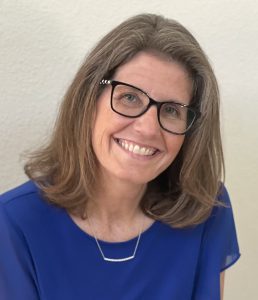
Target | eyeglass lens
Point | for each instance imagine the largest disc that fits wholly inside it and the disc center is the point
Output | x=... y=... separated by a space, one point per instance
x=131 y=102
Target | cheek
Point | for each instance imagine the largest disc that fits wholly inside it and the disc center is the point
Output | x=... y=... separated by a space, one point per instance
x=105 y=125
x=174 y=145
x=101 y=116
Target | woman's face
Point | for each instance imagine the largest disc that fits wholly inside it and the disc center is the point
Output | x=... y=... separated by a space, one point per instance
x=117 y=140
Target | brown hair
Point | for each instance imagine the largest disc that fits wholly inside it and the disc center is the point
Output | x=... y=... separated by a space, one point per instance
x=66 y=168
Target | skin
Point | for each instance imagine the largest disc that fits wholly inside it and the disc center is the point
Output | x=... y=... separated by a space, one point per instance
x=122 y=173
x=115 y=211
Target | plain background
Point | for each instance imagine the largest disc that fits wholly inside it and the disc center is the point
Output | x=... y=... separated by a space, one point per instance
x=42 y=44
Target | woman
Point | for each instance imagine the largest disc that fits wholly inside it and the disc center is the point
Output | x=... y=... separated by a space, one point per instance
x=126 y=200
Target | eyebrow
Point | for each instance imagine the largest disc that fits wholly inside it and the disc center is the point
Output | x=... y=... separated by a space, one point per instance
x=161 y=101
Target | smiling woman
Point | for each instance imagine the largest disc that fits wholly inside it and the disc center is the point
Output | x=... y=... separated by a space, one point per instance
x=158 y=77
x=128 y=195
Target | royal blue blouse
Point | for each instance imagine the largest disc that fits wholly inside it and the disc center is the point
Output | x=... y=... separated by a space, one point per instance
x=45 y=255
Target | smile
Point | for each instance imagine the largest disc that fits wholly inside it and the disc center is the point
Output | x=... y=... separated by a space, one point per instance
x=135 y=148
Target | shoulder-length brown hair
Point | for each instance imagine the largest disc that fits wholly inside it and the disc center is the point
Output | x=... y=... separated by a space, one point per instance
x=66 y=168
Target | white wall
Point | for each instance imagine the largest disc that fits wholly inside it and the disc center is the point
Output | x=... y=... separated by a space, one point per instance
x=43 y=42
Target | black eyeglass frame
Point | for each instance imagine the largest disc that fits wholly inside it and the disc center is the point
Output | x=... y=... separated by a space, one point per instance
x=158 y=104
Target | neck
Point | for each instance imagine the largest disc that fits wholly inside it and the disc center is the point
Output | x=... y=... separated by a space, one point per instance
x=116 y=202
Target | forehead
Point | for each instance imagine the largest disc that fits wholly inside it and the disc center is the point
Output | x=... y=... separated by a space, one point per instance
x=160 y=77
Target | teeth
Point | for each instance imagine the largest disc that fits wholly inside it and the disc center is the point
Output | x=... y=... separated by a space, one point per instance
x=136 y=148
x=143 y=150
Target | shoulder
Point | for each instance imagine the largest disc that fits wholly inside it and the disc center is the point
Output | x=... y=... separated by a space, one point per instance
x=18 y=275
x=18 y=192
x=22 y=197
x=220 y=223
x=224 y=207
x=223 y=195
x=23 y=205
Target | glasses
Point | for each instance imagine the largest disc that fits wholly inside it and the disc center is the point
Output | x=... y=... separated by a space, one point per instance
x=130 y=101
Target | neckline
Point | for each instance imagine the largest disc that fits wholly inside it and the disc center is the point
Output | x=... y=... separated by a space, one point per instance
x=84 y=234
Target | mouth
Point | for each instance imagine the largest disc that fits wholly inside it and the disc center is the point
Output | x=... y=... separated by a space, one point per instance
x=134 y=148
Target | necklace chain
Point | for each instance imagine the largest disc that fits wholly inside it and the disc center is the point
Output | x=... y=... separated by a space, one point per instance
x=116 y=259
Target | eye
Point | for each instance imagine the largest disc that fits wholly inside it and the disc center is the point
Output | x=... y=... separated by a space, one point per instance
x=130 y=100
x=171 y=110
x=129 y=97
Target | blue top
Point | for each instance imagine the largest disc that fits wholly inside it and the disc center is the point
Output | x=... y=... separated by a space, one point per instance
x=45 y=255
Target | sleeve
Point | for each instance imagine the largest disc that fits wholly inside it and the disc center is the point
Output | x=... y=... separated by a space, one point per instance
x=17 y=276
x=219 y=249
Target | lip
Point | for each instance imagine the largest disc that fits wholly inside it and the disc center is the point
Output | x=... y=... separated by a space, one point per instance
x=137 y=156
x=137 y=143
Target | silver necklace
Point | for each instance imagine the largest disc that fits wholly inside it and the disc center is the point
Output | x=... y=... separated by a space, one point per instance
x=116 y=259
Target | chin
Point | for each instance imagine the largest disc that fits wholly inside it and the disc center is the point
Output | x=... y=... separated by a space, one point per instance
x=138 y=179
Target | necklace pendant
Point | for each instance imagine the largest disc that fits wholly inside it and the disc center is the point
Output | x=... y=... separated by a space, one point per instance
x=118 y=259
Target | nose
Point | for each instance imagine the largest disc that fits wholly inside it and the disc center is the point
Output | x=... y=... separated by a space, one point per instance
x=148 y=124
